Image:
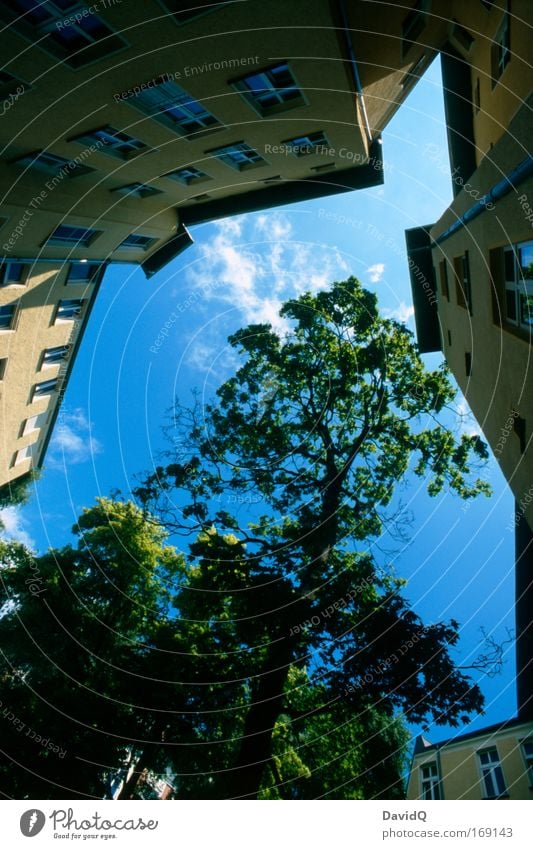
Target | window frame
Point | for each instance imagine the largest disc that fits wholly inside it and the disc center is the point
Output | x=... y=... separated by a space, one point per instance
x=9 y=328
x=220 y=154
x=11 y=86
x=463 y=282
x=92 y=278
x=141 y=191
x=24 y=273
x=51 y=385
x=90 y=138
x=138 y=247
x=247 y=93
x=528 y=759
x=518 y=287
x=173 y=96
x=433 y=782
x=65 y=349
x=210 y=7
x=487 y=770
x=71 y=243
x=443 y=279
x=35 y=161
x=500 y=52
x=76 y=316
x=93 y=51
x=309 y=149
x=199 y=177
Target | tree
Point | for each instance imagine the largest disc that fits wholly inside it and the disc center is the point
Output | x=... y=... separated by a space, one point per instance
x=79 y=665
x=307 y=443
x=17 y=491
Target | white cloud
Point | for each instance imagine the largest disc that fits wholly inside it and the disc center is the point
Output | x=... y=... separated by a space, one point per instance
x=376 y=271
x=15 y=526
x=403 y=312
x=257 y=275
x=72 y=441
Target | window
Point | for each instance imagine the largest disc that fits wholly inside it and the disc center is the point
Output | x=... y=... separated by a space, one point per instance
x=82 y=272
x=491 y=774
x=413 y=25
x=169 y=103
x=13 y=273
x=443 y=270
x=134 y=240
x=65 y=235
x=54 y=356
x=518 y=276
x=188 y=175
x=52 y=164
x=462 y=36
x=112 y=141
x=137 y=190
x=3 y=367
x=429 y=781
x=462 y=282
x=41 y=390
x=7 y=316
x=33 y=423
x=272 y=90
x=304 y=145
x=325 y=167
x=197 y=8
x=76 y=35
x=239 y=155
x=10 y=85
x=501 y=48
x=69 y=309
x=468 y=363
x=477 y=96
x=527 y=751
x=25 y=453
x=519 y=427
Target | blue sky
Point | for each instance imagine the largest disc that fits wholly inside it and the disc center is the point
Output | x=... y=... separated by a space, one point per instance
x=148 y=341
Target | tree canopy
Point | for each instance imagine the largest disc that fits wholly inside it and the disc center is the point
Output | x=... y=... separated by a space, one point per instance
x=277 y=656
x=307 y=443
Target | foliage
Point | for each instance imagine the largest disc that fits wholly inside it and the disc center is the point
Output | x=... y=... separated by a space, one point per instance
x=310 y=439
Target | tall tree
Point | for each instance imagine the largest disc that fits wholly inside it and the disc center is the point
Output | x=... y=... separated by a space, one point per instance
x=80 y=674
x=285 y=482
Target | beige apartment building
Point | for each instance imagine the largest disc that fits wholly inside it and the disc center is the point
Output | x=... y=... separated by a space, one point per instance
x=125 y=123
x=495 y=763
x=472 y=271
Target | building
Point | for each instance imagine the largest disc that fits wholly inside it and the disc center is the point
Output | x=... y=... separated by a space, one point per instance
x=472 y=271
x=495 y=763
x=123 y=124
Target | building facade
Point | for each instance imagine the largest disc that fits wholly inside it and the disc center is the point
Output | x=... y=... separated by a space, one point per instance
x=495 y=763
x=472 y=271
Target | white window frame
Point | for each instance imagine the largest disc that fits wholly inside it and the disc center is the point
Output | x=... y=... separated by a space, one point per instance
x=490 y=770
x=432 y=781
x=521 y=286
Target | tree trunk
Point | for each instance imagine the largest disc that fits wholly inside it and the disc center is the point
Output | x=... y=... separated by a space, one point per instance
x=256 y=745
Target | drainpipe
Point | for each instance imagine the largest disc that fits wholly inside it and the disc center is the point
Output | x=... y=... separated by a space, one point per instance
x=509 y=183
x=355 y=70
